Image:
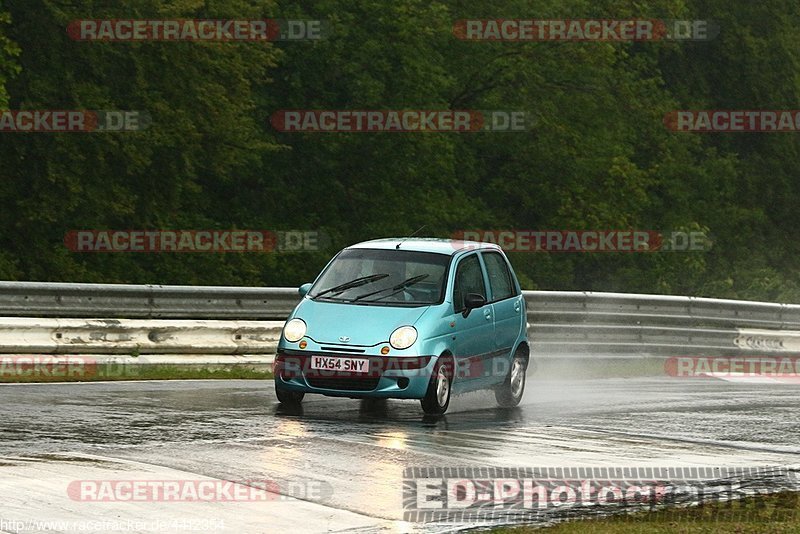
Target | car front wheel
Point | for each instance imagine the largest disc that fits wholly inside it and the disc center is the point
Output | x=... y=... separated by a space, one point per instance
x=437 y=397
x=292 y=398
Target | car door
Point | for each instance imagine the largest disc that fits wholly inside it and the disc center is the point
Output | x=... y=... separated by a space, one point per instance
x=507 y=307
x=474 y=334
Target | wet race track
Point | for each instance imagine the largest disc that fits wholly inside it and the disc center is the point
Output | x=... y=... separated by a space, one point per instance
x=344 y=459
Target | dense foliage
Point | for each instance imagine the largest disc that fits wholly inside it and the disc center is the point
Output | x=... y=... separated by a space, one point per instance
x=597 y=157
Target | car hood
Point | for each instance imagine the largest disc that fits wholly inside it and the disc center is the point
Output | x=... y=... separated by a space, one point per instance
x=364 y=325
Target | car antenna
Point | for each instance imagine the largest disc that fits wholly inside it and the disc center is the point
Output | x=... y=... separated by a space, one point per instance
x=409 y=237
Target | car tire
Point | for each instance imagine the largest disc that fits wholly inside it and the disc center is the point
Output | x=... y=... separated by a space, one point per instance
x=437 y=397
x=291 y=398
x=510 y=392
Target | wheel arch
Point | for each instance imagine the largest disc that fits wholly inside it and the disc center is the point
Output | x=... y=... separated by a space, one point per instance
x=524 y=348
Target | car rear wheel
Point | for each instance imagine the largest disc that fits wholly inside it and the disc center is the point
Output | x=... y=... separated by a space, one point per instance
x=288 y=397
x=510 y=392
x=437 y=397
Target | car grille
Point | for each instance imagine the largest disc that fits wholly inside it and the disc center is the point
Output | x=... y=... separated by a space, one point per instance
x=367 y=383
x=343 y=349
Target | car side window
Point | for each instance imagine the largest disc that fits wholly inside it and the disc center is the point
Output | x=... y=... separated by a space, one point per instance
x=469 y=279
x=499 y=276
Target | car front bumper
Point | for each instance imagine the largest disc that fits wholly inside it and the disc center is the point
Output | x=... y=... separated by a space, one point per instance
x=397 y=377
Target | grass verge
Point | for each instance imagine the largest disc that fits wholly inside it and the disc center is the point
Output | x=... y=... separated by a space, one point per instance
x=116 y=372
x=777 y=513
x=587 y=368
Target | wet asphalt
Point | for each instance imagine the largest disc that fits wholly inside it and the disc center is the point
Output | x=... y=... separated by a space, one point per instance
x=346 y=454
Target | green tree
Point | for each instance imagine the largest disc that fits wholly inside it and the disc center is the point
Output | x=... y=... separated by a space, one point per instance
x=9 y=51
x=200 y=155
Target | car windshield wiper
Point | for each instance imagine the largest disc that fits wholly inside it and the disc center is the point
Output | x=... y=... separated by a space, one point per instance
x=395 y=289
x=364 y=280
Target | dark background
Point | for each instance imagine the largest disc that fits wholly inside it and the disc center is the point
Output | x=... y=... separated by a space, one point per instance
x=598 y=156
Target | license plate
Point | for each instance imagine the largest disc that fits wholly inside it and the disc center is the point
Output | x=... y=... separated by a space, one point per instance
x=351 y=365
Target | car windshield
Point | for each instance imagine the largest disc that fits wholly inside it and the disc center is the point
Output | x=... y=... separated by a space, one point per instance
x=387 y=277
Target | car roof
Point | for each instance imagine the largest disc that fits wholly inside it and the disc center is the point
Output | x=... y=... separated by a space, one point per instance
x=426 y=244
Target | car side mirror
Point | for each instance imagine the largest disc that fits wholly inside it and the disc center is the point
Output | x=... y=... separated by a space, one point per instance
x=304 y=289
x=473 y=301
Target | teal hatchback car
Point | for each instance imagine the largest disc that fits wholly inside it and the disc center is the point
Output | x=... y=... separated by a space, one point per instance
x=407 y=319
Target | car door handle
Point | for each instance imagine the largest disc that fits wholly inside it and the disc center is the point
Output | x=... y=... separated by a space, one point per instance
x=516 y=307
x=487 y=314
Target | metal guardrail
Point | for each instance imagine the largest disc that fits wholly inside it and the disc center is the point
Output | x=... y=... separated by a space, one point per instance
x=575 y=323
x=561 y=324
x=23 y=335
x=43 y=299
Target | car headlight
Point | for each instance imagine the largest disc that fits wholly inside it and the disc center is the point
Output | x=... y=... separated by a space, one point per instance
x=403 y=337
x=294 y=330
